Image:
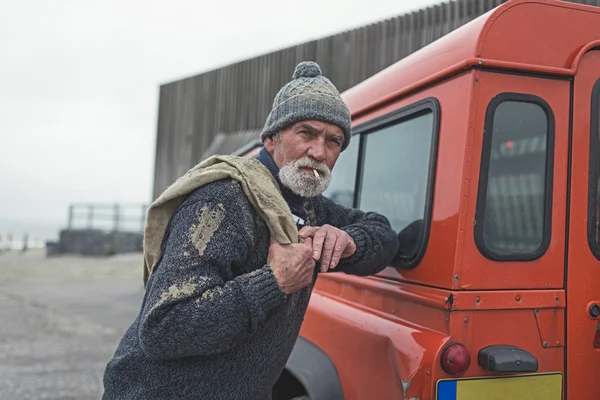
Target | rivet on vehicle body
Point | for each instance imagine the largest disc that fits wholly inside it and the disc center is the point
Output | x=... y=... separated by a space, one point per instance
x=427 y=373
x=518 y=298
x=456 y=276
x=545 y=344
x=466 y=320
x=555 y=298
x=480 y=62
x=477 y=299
x=537 y=310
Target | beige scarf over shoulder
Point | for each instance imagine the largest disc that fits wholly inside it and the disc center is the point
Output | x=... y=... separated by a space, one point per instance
x=257 y=182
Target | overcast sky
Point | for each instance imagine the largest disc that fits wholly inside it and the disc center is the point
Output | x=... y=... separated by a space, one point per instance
x=79 y=84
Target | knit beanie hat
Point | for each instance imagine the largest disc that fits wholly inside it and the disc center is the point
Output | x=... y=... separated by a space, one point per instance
x=308 y=96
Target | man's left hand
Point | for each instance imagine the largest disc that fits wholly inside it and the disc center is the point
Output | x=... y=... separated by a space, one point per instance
x=330 y=244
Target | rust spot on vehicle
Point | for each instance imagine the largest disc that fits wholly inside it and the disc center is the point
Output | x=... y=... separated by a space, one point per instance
x=449 y=301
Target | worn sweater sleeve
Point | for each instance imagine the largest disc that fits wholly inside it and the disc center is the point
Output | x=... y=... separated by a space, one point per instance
x=195 y=305
x=376 y=242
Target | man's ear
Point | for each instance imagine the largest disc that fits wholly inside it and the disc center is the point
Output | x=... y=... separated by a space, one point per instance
x=270 y=144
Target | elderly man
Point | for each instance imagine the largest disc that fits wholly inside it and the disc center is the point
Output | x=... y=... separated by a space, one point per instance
x=229 y=330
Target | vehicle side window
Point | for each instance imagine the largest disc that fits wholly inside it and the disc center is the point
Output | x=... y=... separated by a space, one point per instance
x=396 y=180
x=343 y=177
x=514 y=201
x=594 y=175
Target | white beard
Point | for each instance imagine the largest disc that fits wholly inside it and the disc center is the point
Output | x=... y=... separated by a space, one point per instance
x=302 y=183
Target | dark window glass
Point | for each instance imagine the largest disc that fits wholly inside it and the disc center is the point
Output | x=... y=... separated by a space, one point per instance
x=596 y=132
x=343 y=177
x=395 y=177
x=594 y=183
x=513 y=203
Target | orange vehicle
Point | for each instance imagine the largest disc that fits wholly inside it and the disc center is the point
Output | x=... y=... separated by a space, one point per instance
x=483 y=151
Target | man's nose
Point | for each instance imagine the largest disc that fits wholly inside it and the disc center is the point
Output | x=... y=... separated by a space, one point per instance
x=317 y=151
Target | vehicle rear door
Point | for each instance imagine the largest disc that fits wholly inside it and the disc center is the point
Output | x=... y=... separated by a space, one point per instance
x=583 y=240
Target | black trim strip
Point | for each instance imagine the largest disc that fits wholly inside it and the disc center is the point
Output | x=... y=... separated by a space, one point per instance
x=421 y=107
x=567 y=230
x=483 y=179
x=359 y=160
x=520 y=72
x=594 y=172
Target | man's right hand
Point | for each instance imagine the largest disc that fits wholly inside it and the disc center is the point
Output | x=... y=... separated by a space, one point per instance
x=292 y=265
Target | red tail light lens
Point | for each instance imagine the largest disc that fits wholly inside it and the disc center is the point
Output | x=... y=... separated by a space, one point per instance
x=456 y=359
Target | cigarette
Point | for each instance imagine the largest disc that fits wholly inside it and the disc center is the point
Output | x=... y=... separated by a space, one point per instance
x=316 y=173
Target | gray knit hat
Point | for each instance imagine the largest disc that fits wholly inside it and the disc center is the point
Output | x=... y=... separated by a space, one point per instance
x=309 y=95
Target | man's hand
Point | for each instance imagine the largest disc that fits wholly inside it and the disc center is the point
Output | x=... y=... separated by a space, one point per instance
x=329 y=244
x=292 y=265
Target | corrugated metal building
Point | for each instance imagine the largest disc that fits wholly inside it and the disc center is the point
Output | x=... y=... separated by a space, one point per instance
x=224 y=109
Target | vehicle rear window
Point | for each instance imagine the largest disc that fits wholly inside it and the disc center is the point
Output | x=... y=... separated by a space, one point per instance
x=513 y=214
x=396 y=178
x=594 y=175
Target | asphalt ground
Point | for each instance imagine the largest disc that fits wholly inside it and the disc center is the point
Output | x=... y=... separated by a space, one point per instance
x=61 y=319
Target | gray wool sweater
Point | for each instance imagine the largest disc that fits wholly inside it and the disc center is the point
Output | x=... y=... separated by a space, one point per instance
x=214 y=323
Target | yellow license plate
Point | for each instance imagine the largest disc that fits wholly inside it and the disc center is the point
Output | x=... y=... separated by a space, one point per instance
x=520 y=387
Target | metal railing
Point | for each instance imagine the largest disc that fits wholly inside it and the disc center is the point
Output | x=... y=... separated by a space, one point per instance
x=109 y=217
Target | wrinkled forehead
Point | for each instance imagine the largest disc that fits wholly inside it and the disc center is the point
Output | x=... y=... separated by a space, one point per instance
x=318 y=127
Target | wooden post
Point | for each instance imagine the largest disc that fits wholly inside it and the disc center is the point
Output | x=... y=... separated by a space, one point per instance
x=71 y=212
x=116 y=217
x=25 y=244
x=90 y=216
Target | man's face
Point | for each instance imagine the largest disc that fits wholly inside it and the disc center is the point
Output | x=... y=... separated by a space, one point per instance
x=303 y=148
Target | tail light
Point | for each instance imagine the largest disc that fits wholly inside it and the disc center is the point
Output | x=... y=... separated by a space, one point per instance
x=456 y=359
